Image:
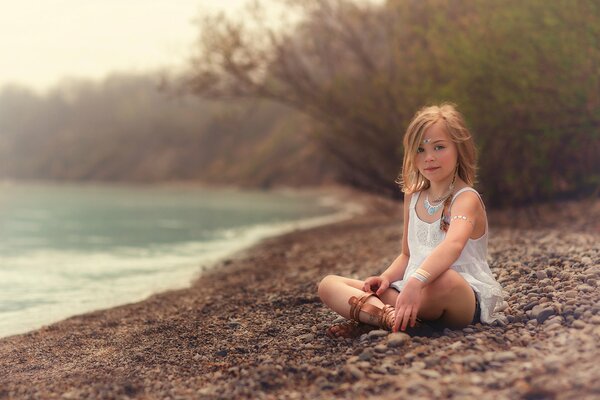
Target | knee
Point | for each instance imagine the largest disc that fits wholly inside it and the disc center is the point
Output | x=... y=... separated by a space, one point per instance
x=325 y=284
x=444 y=284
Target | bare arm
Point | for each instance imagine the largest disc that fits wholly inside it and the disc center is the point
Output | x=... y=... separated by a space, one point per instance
x=448 y=251
x=441 y=258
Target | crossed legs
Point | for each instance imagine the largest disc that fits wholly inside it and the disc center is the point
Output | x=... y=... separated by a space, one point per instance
x=449 y=300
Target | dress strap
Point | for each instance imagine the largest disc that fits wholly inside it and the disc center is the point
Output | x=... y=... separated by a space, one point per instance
x=466 y=189
x=413 y=200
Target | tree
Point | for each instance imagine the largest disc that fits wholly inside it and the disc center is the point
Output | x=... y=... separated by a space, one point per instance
x=525 y=74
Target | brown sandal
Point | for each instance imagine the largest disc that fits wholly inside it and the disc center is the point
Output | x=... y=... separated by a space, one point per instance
x=382 y=317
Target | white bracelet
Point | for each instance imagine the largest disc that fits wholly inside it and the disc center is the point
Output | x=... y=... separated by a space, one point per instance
x=420 y=277
x=461 y=217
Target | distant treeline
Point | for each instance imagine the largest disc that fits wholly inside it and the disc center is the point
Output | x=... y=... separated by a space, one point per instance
x=525 y=73
x=125 y=129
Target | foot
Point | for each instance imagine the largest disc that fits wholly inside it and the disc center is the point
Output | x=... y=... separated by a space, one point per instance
x=348 y=329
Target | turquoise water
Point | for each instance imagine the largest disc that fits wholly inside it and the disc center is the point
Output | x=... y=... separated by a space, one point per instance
x=69 y=249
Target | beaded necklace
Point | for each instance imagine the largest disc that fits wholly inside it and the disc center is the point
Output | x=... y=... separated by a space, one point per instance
x=433 y=208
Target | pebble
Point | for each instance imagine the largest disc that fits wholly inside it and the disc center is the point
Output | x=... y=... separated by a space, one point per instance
x=505 y=356
x=472 y=359
x=430 y=373
x=552 y=355
x=455 y=345
x=585 y=288
x=557 y=319
x=544 y=314
x=397 y=339
x=419 y=365
x=307 y=337
x=354 y=371
x=366 y=355
x=552 y=364
x=578 y=324
x=380 y=348
x=377 y=333
x=541 y=274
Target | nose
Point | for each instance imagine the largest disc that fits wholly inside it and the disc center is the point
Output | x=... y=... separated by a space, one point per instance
x=429 y=156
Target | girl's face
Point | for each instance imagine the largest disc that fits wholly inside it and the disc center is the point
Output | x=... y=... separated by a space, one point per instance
x=437 y=154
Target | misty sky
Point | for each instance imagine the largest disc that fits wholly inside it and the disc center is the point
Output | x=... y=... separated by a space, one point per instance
x=44 y=41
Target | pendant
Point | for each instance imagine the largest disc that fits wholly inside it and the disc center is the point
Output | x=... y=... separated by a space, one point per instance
x=431 y=209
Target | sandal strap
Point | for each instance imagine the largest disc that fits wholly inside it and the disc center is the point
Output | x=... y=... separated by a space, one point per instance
x=384 y=317
x=356 y=305
x=388 y=317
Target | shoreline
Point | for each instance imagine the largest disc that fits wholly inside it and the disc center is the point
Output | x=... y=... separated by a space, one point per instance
x=330 y=197
x=255 y=328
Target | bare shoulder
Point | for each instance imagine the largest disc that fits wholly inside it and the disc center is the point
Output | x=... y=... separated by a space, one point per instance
x=468 y=200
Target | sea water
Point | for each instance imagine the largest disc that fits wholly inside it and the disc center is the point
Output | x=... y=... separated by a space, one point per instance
x=68 y=249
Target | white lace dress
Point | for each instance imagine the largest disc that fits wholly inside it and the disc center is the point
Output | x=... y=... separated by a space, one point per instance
x=472 y=263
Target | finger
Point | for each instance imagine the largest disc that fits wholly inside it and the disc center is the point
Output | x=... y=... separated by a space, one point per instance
x=413 y=319
x=382 y=288
x=406 y=317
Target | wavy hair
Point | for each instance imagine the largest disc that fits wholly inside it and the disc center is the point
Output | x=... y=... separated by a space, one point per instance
x=410 y=179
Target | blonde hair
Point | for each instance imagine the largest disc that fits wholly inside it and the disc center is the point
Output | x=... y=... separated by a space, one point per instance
x=411 y=180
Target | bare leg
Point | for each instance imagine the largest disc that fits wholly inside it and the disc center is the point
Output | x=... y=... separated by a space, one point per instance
x=449 y=299
x=335 y=291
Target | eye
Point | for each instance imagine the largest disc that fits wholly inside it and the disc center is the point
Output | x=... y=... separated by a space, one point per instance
x=439 y=147
x=420 y=150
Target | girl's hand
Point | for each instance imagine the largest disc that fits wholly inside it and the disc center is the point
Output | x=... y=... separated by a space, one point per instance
x=407 y=305
x=376 y=284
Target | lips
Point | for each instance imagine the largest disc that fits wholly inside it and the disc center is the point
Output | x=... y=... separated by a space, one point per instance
x=431 y=169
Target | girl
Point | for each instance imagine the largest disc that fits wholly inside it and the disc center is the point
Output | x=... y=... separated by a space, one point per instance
x=441 y=276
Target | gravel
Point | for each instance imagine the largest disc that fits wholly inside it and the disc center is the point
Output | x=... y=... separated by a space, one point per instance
x=255 y=327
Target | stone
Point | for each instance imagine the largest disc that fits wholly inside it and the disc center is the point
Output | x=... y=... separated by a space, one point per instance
x=472 y=359
x=380 y=348
x=541 y=274
x=366 y=355
x=377 y=333
x=430 y=373
x=571 y=294
x=552 y=364
x=354 y=371
x=418 y=365
x=504 y=356
x=544 y=314
x=397 y=339
x=578 y=324
x=222 y=353
x=551 y=327
x=585 y=288
x=455 y=345
x=307 y=337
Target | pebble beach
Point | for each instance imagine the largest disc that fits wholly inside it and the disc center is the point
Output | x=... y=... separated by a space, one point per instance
x=255 y=328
